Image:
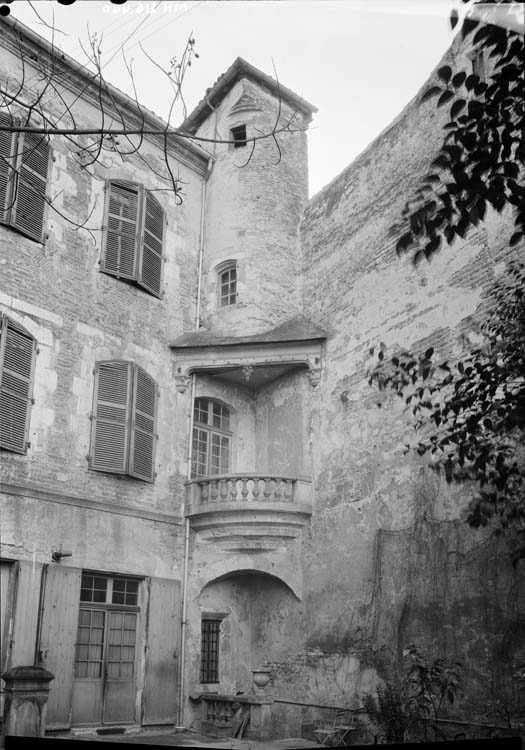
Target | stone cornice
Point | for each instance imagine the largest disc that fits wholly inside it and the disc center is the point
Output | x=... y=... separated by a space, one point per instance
x=86 y=503
x=195 y=359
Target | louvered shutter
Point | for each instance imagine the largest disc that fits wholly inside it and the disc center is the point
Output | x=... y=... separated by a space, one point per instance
x=29 y=204
x=121 y=229
x=111 y=418
x=151 y=253
x=7 y=152
x=17 y=364
x=143 y=419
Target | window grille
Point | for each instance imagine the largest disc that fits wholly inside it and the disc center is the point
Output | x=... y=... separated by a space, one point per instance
x=210 y=630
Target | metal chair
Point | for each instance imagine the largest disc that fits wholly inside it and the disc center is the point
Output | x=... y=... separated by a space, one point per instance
x=336 y=734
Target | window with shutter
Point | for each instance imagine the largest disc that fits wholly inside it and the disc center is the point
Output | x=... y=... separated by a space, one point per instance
x=24 y=170
x=134 y=235
x=17 y=365
x=123 y=435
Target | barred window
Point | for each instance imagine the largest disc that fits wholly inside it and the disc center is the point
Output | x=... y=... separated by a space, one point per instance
x=210 y=630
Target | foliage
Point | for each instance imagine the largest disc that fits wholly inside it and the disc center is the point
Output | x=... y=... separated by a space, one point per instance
x=387 y=711
x=470 y=416
x=428 y=683
x=481 y=159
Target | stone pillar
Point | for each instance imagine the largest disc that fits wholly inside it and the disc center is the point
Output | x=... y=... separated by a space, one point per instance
x=260 y=720
x=261 y=708
x=25 y=704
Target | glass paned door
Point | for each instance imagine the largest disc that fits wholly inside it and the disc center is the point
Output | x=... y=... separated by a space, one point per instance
x=119 y=692
x=105 y=650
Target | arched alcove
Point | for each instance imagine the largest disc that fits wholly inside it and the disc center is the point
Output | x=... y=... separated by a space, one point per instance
x=260 y=623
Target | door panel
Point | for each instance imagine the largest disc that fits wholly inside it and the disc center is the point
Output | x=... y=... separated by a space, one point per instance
x=88 y=687
x=26 y=613
x=161 y=682
x=119 y=691
x=57 y=639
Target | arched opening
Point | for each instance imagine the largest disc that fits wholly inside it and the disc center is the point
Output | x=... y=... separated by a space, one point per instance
x=248 y=619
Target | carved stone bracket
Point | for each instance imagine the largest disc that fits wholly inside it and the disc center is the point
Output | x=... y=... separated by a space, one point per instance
x=314 y=375
x=182 y=382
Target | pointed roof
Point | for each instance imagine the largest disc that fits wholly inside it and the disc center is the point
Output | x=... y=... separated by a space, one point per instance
x=242 y=69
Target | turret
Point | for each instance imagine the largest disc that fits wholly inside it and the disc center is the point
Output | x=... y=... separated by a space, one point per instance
x=254 y=200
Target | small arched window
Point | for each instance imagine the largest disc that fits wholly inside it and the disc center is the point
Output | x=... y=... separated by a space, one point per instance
x=211 y=443
x=227 y=283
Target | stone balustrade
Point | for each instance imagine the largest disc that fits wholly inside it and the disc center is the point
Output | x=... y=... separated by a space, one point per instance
x=227 y=488
x=256 y=503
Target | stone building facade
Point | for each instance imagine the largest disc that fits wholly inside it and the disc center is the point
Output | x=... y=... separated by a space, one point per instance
x=130 y=570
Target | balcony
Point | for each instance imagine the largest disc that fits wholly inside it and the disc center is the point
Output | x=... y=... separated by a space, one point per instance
x=261 y=506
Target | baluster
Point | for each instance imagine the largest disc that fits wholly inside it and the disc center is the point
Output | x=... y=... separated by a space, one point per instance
x=213 y=491
x=277 y=491
x=266 y=488
x=233 y=490
x=244 y=488
x=223 y=488
x=255 y=492
x=205 y=491
x=288 y=486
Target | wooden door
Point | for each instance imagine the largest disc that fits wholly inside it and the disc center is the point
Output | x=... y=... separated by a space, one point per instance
x=161 y=681
x=105 y=685
x=56 y=647
x=119 y=667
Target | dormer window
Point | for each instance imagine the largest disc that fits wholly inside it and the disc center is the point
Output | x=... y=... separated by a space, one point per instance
x=227 y=283
x=238 y=136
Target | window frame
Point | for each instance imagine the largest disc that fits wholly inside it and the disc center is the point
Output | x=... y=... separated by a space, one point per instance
x=7 y=324
x=227 y=267
x=144 y=239
x=239 y=136
x=211 y=431
x=206 y=669
x=13 y=164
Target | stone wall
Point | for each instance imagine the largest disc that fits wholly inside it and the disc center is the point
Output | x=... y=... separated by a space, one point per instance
x=368 y=583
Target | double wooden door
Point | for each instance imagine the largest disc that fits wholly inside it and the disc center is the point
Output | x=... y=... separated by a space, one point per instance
x=105 y=666
x=109 y=639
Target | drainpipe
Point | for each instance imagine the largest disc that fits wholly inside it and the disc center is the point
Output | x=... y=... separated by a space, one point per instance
x=182 y=661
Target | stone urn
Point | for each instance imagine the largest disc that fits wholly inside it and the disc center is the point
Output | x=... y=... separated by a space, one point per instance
x=261 y=680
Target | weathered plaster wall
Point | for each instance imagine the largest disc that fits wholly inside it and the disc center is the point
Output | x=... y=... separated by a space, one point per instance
x=281 y=426
x=253 y=206
x=366 y=488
